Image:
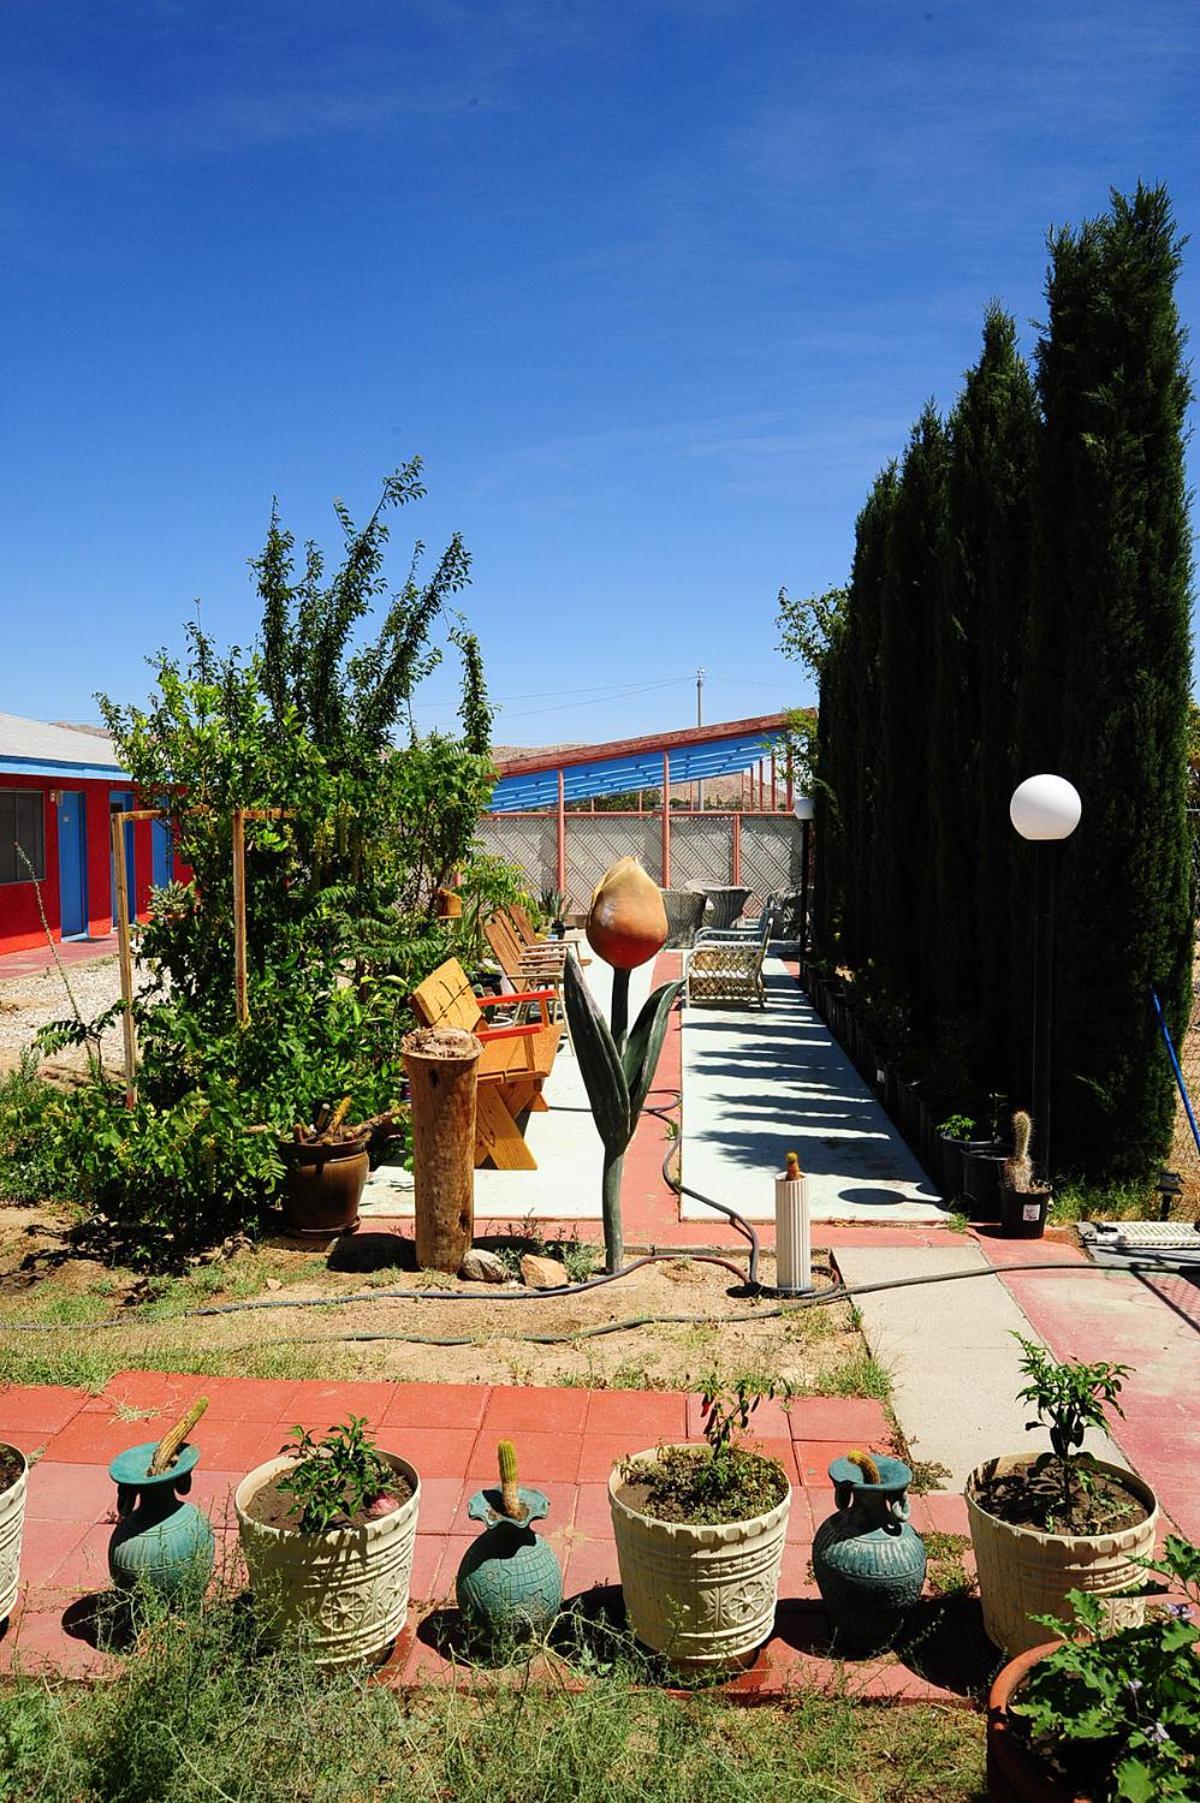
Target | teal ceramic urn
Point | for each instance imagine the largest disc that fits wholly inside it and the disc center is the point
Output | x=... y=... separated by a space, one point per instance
x=868 y=1560
x=160 y=1543
x=509 y=1583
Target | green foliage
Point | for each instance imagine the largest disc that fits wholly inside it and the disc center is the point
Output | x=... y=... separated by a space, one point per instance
x=723 y=1481
x=336 y=1477
x=28 y=1172
x=808 y=627
x=1123 y=1708
x=1069 y=1397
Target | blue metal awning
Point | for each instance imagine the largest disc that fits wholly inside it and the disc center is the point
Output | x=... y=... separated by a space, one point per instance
x=621 y=775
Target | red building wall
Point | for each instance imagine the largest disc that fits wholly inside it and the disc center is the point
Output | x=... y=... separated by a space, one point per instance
x=20 y=922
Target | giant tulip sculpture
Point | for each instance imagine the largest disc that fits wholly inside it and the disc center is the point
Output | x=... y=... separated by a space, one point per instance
x=626 y=926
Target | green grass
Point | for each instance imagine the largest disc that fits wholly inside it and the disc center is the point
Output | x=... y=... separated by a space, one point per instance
x=863 y=1376
x=1104 y=1202
x=90 y=1364
x=200 y=1713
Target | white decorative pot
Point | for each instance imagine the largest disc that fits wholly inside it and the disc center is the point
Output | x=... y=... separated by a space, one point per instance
x=12 y=1525
x=1024 y=1572
x=347 y=1590
x=703 y=1596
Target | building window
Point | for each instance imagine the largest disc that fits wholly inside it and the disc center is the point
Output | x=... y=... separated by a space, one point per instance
x=21 y=823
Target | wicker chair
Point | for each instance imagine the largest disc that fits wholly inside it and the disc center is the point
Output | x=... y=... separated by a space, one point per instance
x=685 y=912
x=724 y=967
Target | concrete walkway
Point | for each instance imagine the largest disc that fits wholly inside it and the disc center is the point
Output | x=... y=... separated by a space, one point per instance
x=952 y=1355
x=757 y=1085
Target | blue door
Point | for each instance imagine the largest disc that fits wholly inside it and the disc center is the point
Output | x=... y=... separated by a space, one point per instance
x=72 y=864
x=119 y=800
x=162 y=853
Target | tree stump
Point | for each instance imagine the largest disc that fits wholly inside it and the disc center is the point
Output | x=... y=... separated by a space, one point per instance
x=441 y=1063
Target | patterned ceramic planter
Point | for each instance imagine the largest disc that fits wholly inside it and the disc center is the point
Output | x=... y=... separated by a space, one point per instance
x=868 y=1560
x=509 y=1581
x=704 y=1597
x=160 y=1542
x=12 y=1523
x=348 y=1588
x=1023 y=1572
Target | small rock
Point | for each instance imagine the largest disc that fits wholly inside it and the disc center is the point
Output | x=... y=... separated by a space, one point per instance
x=483 y=1267
x=274 y=1283
x=543 y=1273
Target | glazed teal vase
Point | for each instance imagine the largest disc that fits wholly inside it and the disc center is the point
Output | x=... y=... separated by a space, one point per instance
x=160 y=1543
x=868 y=1560
x=509 y=1583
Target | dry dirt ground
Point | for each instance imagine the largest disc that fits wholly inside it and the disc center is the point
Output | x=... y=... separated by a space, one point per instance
x=671 y=1323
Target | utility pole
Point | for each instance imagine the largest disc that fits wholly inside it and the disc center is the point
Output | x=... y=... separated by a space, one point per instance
x=700 y=722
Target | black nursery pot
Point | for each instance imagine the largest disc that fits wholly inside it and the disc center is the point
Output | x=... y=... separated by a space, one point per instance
x=981 y=1183
x=909 y=1096
x=1023 y=1212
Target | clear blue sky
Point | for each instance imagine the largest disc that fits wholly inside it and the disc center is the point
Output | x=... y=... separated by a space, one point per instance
x=654 y=286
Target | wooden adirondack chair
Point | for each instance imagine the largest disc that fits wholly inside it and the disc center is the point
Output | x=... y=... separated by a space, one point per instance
x=539 y=963
x=514 y=1064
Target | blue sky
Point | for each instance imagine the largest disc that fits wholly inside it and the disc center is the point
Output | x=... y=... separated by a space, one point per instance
x=654 y=287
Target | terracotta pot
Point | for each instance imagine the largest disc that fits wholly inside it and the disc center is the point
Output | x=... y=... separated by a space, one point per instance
x=323 y=1185
x=347 y=1590
x=1014 y=1772
x=449 y=904
x=702 y=1596
x=1024 y=1572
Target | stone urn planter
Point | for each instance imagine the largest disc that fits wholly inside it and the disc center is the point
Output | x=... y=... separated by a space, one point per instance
x=161 y=1542
x=345 y=1590
x=1024 y=1572
x=703 y=1596
x=14 y=1477
x=509 y=1584
x=868 y=1559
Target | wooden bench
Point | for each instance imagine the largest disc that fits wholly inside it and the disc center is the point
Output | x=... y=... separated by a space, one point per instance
x=514 y=1064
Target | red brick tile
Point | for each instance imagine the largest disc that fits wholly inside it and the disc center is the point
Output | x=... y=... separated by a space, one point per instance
x=590 y=1562
x=794 y=1578
x=543 y=1458
x=44 y=1546
x=437 y=1451
x=947 y=1511
x=82 y=1493
x=850 y=1419
x=454 y=1547
x=85 y=1566
x=653 y=1415
x=439 y=1504
x=319 y=1407
x=46 y=1407
x=814 y=1457
x=245 y=1399
x=800 y=1521
x=237 y=1445
x=456 y=1406
x=213 y=1491
x=822 y=1505
x=32 y=1441
x=540 y=1411
x=427 y=1557
x=150 y=1394
x=593 y=1516
x=93 y=1439
x=44 y=1645
x=780 y=1450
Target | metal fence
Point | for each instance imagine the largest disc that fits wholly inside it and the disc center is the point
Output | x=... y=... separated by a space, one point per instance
x=762 y=851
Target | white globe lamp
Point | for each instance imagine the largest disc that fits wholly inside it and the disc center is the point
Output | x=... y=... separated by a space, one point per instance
x=1045 y=807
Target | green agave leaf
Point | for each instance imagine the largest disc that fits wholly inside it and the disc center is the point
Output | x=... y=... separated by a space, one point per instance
x=603 y=1076
x=644 y=1046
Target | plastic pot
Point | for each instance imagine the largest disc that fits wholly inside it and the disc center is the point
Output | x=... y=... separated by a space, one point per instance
x=981 y=1184
x=1023 y=1212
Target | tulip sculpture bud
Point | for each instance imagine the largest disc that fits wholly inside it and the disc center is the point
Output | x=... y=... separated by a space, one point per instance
x=627 y=925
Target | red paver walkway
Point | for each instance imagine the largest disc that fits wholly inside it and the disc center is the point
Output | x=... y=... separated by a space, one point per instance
x=38 y=958
x=567 y=1441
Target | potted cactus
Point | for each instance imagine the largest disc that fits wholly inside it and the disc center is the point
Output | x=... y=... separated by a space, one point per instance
x=14 y=1477
x=626 y=926
x=1024 y=1201
x=700 y=1532
x=509 y=1582
x=328 y=1530
x=1046 y=1524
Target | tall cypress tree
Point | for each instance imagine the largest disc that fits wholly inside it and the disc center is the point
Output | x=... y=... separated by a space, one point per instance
x=1109 y=673
x=906 y=952
x=829 y=868
x=862 y=776
x=989 y=561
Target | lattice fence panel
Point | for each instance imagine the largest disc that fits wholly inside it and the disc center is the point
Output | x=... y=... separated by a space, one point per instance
x=701 y=850
x=594 y=841
x=770 y=854
x=527 y=840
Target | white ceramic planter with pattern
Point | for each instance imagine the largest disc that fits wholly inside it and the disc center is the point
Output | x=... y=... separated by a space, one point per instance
x=345 y=1591
x=702 y=1596
x=12 y=1526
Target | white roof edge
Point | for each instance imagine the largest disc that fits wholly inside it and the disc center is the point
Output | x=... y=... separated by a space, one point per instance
x=35 y=741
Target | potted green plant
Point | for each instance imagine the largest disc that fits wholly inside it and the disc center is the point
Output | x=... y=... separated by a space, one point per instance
x=328 y=1530
x=14 y=1478
x=554 y=904
x=953 y=1135
x=700 y=1532
x=1105 y=1714
x=1046 y=1524
x=1023 y=1200
x=325 y=1168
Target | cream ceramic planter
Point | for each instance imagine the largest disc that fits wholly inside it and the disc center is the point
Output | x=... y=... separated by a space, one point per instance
x=12 y=1524
x=346 y=1590
x=1023 y=1572
x=704 y=1597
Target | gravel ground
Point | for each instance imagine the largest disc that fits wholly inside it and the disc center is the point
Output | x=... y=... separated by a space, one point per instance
x=27 y=1003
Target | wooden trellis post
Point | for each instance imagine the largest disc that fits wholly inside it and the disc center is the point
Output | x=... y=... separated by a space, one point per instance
x=240 y=817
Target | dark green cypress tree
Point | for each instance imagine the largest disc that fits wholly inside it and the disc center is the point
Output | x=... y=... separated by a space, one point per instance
x=988 y=572
x=1108 y=677
x=861 y=699
x=905 y=948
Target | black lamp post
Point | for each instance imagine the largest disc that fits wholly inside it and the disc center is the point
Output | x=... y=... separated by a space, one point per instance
x=803 y=809
x=1045 y=810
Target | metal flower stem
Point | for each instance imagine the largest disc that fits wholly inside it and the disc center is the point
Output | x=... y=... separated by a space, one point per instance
x=620 y=1007
x=614 y=1165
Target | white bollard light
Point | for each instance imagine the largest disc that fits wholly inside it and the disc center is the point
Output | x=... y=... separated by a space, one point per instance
x=793 y=1237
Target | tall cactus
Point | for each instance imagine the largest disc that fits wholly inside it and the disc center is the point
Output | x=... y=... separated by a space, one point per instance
x=510 y=1491
x=618 y=1069
x=1018 y=1170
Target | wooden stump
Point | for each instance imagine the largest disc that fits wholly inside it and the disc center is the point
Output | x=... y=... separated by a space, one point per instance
x=441 y=1063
